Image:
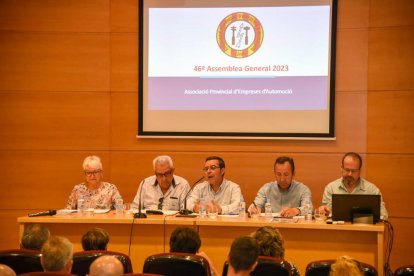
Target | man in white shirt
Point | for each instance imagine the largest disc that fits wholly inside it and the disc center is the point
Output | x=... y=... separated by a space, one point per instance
x=217 y=192
x=163 y=190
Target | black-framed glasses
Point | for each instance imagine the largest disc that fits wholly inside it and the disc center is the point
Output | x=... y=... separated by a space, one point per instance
x=160 y=203
x=211 y=168
x=89 y=173
x=166 y=174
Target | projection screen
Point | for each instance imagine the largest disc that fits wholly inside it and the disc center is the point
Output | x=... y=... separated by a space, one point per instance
x=238 y=69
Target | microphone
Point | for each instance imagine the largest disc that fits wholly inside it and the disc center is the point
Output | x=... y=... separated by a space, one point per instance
x=140 y=214
x=186 y=212
x=43 y=213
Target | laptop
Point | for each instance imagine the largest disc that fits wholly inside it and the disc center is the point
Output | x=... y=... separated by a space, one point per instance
x=350 y=207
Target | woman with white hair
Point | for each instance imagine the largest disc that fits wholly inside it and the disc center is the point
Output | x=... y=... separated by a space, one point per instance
x=97 y=193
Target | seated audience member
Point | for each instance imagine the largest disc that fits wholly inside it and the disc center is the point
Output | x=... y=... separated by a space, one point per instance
x=95 y=192
x=217 y=191
x=34 y=236
x=243 y=256
x=286 y=195
x=164 y=190
x=346 y=266
x=187 y=240
x=350 y=183
x=57 y=255
x=95 y=239
x=106 y=266
x=271 y=244
x=6 y=271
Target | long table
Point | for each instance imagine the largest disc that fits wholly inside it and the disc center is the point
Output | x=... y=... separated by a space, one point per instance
x=304 y=241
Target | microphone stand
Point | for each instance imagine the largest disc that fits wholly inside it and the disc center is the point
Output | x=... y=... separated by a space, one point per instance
x=186 y=212
x=140 y=214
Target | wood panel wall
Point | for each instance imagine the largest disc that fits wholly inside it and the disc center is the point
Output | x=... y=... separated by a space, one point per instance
x=69 y=88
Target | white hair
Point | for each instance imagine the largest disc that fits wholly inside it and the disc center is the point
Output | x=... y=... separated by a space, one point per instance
x=162 y=159
x=92 y=161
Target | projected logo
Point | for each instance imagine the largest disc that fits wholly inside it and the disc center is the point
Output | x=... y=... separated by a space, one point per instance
x=239 y=35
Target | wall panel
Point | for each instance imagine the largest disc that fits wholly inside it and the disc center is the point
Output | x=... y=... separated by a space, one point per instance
x=48 y=120
x=54 y=61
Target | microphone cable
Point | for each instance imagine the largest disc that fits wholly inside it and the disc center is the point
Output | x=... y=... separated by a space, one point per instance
x=389 y=238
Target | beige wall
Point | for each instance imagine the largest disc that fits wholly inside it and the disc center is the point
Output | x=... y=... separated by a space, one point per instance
x=69 y=88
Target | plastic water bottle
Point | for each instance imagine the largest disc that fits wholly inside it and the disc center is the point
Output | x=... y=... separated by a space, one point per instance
x=242 y=207
x=81 y=206
x=268 y=210
x=119 y=205
x=307 y=210
x=202 y=211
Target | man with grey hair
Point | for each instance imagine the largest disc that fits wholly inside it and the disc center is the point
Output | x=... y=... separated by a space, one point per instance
x=34 y=236
x=106 y=266
x=163 y=190
x=57 y=255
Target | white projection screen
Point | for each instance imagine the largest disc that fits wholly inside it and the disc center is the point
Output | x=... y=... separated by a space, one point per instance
x=238 y=69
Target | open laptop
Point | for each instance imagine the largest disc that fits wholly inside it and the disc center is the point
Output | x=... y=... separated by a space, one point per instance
x=350 y=207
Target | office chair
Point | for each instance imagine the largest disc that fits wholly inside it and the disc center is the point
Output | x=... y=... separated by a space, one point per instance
x=21 y=260
x=267 y=266
x=323 y=267
x=83 y=259
x=404 y=270
x=177 y=264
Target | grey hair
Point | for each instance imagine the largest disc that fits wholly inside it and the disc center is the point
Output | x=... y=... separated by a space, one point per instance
x=92 y=161
x=162 y=159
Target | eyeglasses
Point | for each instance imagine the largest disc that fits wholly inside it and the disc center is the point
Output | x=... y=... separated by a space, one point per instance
x=160 y=203
x=166 y=174
x=89 y=173
x=352 y=171
x=212 y=168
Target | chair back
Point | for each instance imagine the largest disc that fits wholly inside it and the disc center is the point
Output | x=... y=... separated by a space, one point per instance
x=267 y=266
x=323 y=267
x=21 y=260
x=404 y=270
x=82 y=260
x=177 y=264
x=47 y=273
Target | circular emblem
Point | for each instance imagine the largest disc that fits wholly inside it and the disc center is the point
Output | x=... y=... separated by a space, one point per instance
x=239 y=35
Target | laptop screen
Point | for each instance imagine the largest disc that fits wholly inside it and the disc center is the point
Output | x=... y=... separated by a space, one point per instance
x=344 y=206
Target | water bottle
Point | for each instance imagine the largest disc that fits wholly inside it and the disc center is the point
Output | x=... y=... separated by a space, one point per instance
x=81 y=206
x=202 y=211
x=242 y=207
x=307 y=210
x=119 y=205
x=268 y=210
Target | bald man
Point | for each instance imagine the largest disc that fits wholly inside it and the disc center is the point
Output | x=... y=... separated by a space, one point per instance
x=6 y=271
x=106 y=266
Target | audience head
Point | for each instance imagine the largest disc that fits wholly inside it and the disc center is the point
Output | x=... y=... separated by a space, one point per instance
x=185 y=240
x=346 y=266
x=106 y=266
x=57 y=253
x=243 y=254
x=34 y=236
x=6 y=271
x=95 y=239
x=270 y=242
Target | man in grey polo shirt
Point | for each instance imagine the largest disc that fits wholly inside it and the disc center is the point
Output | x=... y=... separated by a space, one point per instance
x=351 y=182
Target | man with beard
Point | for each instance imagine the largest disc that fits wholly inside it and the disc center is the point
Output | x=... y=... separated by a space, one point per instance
x=350 y=183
